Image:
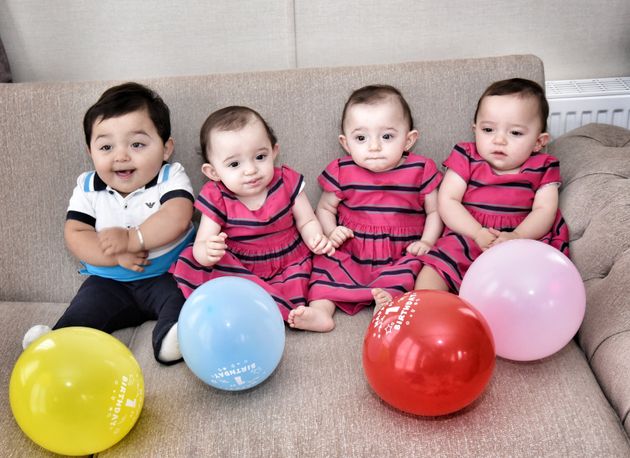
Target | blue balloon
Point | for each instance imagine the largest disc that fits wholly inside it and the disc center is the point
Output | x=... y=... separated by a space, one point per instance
x=231 y=333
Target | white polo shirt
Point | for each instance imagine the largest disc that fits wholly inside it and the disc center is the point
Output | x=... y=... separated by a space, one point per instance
x=100 y=206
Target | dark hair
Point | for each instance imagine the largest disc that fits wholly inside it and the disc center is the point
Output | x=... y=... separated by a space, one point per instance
x=127 y=98
x=522 y=87
x=229 y=119
x=373 y=94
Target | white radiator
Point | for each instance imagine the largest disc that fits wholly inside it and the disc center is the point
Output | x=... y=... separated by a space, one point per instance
x=574 y=103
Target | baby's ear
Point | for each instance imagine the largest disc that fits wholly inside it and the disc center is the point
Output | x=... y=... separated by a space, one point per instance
x=541 y=141
x=412 y=137
x=169 y=147
x=208 y=170
x=344 y=143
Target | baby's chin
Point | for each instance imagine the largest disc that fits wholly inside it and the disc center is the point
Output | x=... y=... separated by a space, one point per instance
x=379 y=167
x=380 y=164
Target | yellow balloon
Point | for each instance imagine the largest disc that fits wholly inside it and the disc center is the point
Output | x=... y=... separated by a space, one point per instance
x=76 y=391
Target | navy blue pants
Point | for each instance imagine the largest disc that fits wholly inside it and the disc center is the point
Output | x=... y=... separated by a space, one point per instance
x=109 y=305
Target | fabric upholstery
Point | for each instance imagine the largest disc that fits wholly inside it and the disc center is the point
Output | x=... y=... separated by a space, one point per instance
x=318 y=403
x=46 y=151
x=595 y=199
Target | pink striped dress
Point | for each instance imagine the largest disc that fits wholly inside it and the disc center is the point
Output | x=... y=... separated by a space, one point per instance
x=264 y=245
x=385 y=210
x=498 y=201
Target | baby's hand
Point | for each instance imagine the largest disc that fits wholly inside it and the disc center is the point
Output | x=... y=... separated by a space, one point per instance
x=320 y=244
x=113 y=240
x=419 y=248
x=339 y=235
x=503 y=236
x=215 y=247
x=485 y=237
x=133 y=261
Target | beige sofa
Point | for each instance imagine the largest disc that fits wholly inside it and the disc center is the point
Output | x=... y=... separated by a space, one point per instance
x=317 y=403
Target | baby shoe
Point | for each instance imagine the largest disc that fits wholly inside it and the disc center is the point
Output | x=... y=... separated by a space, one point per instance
x=33 y=334
x=169 y=351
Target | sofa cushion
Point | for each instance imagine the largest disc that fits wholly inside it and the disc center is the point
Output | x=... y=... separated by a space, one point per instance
x=45 y=152
x=610 y=363
x=595 y=200
x=318 y=403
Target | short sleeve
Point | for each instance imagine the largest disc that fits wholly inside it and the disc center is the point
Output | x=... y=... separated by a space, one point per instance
x=293 y=182
x=211 y=203
x=459 y=160
x=431 y=177
x=80 y=207
x=175 y=183
x=329 y=179
x=551 y=173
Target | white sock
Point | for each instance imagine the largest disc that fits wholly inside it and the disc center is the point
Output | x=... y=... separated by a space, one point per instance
x=33 y=334
x=170 y=346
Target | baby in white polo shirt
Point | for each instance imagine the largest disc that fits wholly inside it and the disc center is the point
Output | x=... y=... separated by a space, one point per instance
x=128 y=220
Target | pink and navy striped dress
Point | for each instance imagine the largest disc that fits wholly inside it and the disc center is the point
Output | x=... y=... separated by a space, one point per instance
x=498 y=201
x=264 y=245
x=385 y=210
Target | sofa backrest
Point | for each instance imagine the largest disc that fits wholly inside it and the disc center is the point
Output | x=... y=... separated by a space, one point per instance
x=43 y=150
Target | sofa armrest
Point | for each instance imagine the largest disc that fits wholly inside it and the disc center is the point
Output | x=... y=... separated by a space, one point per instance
x=595 y=201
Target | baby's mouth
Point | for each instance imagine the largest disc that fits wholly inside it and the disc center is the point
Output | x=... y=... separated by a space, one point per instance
x=124 y=173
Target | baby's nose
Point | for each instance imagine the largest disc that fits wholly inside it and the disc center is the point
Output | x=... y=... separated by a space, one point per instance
x=375 y=144
x=121 y=154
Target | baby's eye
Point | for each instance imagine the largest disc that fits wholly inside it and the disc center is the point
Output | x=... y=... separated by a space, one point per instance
x=388 y=136
x=105 y=148
x=516 y=133
x=360 y=138
x=487 y=130
x=261 y=157
x=136 y=145
x=233 y=164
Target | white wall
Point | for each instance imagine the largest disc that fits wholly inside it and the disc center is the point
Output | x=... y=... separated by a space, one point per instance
x=126 y=39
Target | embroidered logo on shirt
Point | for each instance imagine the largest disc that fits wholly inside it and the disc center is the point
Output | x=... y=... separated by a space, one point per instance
x=149 y=204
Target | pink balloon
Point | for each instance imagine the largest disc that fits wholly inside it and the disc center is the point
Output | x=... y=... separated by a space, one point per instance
x=531 y=295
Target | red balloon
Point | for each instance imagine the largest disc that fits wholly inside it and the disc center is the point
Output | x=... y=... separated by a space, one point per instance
x=429 y=353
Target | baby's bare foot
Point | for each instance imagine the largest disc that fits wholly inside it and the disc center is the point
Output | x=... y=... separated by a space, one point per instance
x=381 y=298
x=310 y=319
x=293 y=313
